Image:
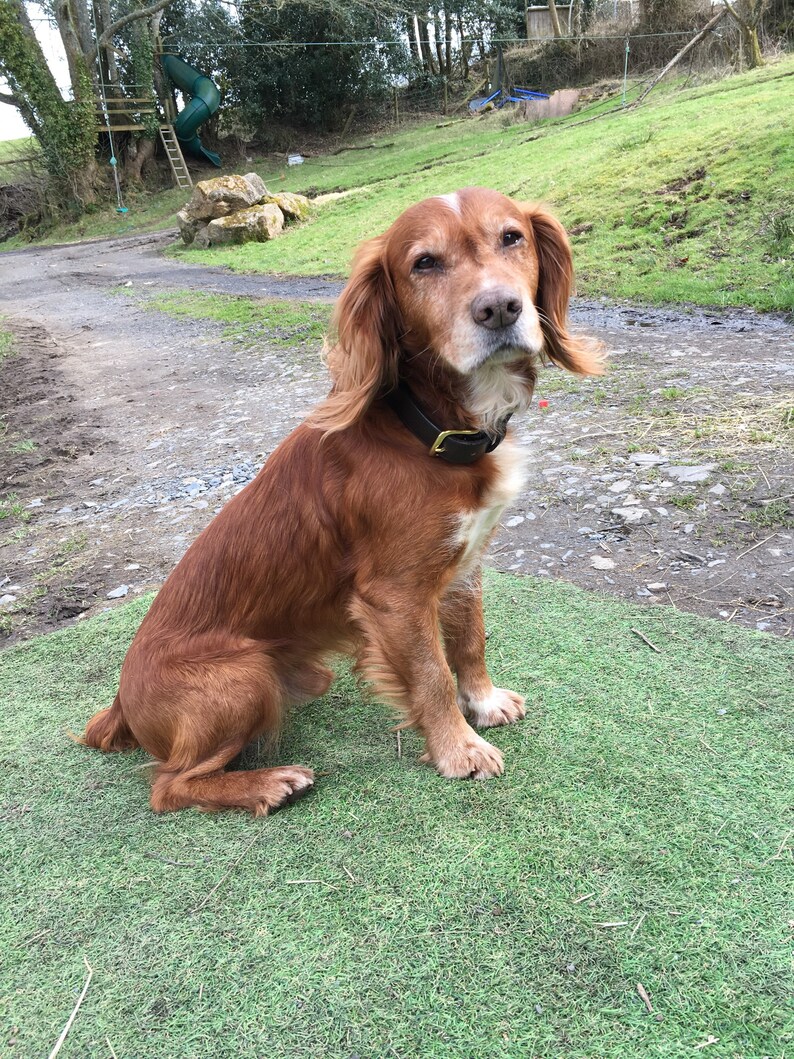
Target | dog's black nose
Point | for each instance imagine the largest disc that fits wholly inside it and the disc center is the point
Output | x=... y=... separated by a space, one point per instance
x=495 y=308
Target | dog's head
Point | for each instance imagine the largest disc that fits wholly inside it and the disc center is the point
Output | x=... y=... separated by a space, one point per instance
x=472 y=282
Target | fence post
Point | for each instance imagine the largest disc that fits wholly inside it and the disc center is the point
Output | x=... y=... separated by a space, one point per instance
x=446 y=96
x=625 y=71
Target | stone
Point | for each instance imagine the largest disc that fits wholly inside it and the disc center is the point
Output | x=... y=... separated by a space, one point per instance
x=630 y=515
x=188 y=226
x=202 y=237
x=602 y=562
x=656 y=586
x=119 y=593
x=647 y=459
x=294 y=207
x=258 y=187
x=7 y=599
x=620 y=487
x=254 y=225
x=514 y=520
x=221 y=196
x=699 y=473
x=718 y=490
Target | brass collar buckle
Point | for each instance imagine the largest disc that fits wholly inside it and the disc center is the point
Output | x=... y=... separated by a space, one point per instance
x=437 y=448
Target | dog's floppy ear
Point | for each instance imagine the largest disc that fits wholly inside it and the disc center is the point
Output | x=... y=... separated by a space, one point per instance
x=363 y=359
x=555 y=286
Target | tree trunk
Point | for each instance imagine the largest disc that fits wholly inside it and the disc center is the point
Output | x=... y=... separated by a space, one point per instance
x=413 y=44
x=143 y=153
x=747 y=16
x=439 y=43
x=576 y=18
x=424 y=44
x=65 y=130
x=556 y=28
x=104 y=21
x=465 y=50
x=448 y=40
x=72 y=44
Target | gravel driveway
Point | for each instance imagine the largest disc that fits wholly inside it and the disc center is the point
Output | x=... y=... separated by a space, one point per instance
x=125 y=429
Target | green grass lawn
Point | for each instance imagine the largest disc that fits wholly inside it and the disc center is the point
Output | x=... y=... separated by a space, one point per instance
x=641 y=834
x=290 y=324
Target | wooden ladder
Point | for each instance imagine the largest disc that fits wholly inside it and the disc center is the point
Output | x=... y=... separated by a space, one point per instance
x=182 y=177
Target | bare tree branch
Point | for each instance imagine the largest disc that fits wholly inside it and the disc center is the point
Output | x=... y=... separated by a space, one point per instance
x=734 y=14
x=133 y=16
x=704 y=32
x=11 y=100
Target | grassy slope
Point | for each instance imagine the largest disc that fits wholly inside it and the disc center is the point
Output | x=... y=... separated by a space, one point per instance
x=396 y=914
x=711 y=242
x=725 y=239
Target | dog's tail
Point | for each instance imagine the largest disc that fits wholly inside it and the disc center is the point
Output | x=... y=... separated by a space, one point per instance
x=107 y=730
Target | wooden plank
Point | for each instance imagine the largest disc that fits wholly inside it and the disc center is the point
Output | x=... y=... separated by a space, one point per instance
x=121 y=128
x=471 y=95
x=125 y=99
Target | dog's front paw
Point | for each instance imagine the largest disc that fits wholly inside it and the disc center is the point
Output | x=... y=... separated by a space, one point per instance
x=470 y=758
x=499 y=707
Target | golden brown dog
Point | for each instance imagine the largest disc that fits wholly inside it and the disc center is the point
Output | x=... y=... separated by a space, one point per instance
x=363 y=532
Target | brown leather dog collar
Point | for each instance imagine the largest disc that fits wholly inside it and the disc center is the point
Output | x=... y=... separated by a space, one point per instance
x=457 y=446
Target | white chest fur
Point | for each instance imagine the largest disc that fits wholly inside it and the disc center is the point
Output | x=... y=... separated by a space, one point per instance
x=475 y=527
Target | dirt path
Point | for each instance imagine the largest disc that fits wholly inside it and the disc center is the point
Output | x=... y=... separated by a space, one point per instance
x=125 y=429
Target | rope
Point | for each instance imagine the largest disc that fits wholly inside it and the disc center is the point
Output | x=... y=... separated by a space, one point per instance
x=120 y=207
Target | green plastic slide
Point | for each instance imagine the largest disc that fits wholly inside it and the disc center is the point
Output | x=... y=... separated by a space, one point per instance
x=204 y=101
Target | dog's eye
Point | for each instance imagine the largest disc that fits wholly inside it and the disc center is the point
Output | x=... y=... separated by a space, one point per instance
x=425 y=263
x=511 y=238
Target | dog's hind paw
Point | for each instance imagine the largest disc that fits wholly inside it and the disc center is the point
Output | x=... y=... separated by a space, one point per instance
x=282 y=786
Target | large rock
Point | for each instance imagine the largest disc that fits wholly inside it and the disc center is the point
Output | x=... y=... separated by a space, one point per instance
x=188 y=226
x=224 y=195
x=255 y=224
x=257 y=185
x=201 y=240
x=294 y=207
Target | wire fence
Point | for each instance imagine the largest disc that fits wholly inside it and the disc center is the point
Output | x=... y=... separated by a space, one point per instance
x=611 y=58
x=611 y=55
x=612 y=62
